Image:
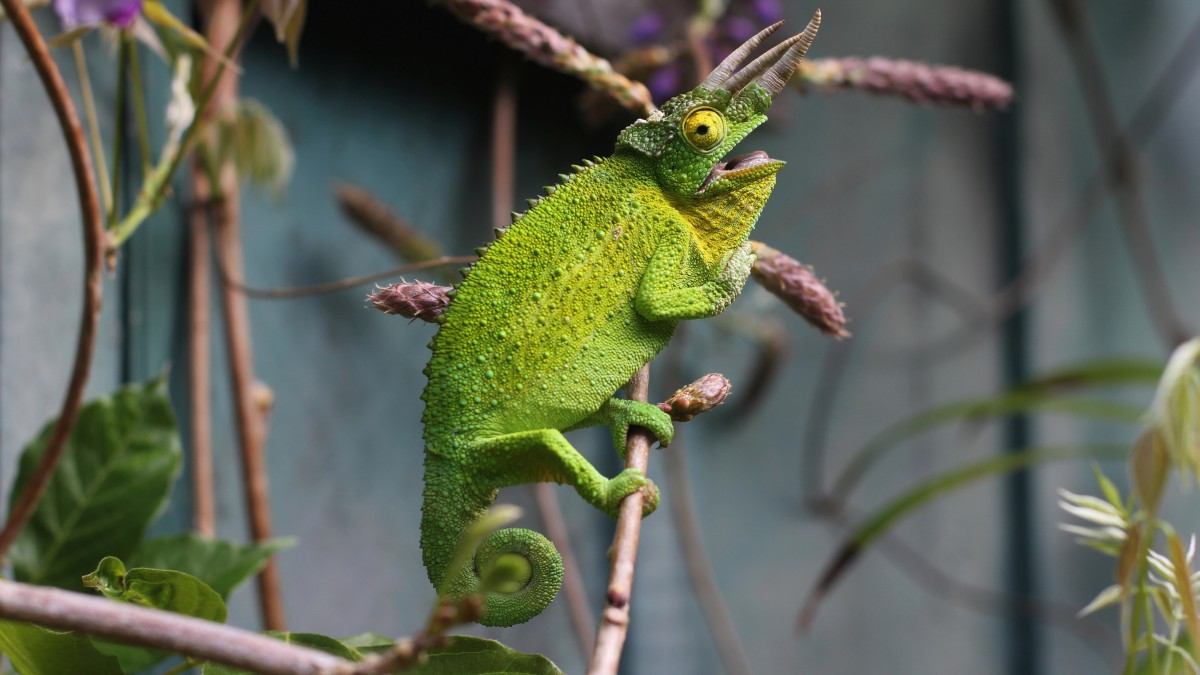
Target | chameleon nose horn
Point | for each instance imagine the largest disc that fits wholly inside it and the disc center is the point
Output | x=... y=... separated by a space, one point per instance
x=778 y=64
x=722 y=72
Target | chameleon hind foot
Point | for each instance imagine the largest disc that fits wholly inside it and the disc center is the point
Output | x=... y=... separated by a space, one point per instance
x=626 y=483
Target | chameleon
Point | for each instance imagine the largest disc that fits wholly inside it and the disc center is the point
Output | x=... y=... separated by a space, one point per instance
x=572 y=299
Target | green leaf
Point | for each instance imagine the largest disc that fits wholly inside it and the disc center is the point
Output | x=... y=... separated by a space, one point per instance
x=114 y=477
x=369 y=643
x=171 y=590
x=884 y=518
x=313 y=640
x=467 y=655
x=160 y=589
x=34 y=650
x=223 y=565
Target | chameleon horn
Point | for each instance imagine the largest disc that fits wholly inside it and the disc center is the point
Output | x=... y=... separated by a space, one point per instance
x=757 y=66
x=722 y=72
x=775 y=79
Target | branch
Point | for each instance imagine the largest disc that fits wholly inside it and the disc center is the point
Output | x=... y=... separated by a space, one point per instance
x=199 y=310
x=614 y=624
x=142 y=626
x=93 y=234
x=547 y=47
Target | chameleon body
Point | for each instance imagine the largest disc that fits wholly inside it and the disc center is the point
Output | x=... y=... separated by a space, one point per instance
x=567 y=304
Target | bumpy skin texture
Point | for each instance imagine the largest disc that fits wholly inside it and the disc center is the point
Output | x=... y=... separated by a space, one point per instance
x=563 y=309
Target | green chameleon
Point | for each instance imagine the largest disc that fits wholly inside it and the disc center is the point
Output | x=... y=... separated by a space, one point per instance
x=570 y=301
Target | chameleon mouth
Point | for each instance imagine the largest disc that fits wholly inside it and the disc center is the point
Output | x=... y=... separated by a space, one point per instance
x=750 y=165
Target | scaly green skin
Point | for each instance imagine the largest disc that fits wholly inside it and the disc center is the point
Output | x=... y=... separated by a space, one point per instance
x=561 y=311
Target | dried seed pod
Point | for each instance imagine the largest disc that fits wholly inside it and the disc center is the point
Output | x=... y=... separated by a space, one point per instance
x=797 y=285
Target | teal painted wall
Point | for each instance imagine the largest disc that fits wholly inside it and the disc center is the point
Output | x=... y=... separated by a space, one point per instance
x=400 y=103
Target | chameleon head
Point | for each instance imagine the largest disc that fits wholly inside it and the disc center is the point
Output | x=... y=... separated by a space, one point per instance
x=686 y=140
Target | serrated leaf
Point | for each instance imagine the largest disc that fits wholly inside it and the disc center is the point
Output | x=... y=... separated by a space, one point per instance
x=114 y=477
x=34 y=650
x=467 y=655
x=223 y=565
x=313 y=640
x=369 y=643
x=168 y=590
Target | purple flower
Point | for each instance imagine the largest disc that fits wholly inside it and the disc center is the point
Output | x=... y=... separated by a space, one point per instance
x=119 y=13
x=768 y=11
x=647 y=28
x=666 y=81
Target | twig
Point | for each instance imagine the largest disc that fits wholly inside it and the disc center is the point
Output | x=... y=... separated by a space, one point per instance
x=1120 y=169
x=250 y=417
x=614 y=622
x=238 y=285
x=225 y=27
x=199 y=308
x=578 y=606
x=93 y=233
x=133 y=624
x=699 y=569
x=912 y=80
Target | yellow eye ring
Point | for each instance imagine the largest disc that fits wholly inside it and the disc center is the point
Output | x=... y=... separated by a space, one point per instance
x=704 y=128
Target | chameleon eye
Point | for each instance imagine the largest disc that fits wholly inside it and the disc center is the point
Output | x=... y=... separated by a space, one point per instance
x=704 y=128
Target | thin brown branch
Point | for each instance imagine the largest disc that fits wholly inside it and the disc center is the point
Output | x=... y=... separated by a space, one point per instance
x=699 y=569
x=93 y=234
x=578 y=607
x=939 y=583
x=1120 y=168
x=251 y=421
x=142 y=626
x=224 y=25
x=504 y=142
x=614 y=622
x=199 y=309
x=236 y=283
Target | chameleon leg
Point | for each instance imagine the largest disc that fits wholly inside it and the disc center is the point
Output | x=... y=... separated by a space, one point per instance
x=454 y=499
x=543 y=456
x=619 y=414
x=663 y=297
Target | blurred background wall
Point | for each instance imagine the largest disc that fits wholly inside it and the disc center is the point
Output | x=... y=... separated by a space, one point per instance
x=920 y=216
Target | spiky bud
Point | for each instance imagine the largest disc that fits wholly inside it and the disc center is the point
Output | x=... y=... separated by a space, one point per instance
x=412 y=299
x=700 y=396
x=799 y=288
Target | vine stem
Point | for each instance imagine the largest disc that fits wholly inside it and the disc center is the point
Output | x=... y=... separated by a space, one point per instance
x=93 y=234
x=133 y=624
x=614 y=621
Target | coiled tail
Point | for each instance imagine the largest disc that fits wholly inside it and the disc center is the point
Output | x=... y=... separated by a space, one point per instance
x=534 y=569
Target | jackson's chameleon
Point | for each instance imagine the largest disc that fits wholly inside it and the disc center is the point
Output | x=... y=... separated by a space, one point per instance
x=576 y=296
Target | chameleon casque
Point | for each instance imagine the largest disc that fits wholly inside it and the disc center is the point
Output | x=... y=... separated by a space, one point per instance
x=571 y=300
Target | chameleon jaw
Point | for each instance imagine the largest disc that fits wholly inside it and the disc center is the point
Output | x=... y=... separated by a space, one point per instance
x=750 y=165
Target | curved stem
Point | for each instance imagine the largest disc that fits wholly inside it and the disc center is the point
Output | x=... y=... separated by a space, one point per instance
x=614 y=624
x=93 y=234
